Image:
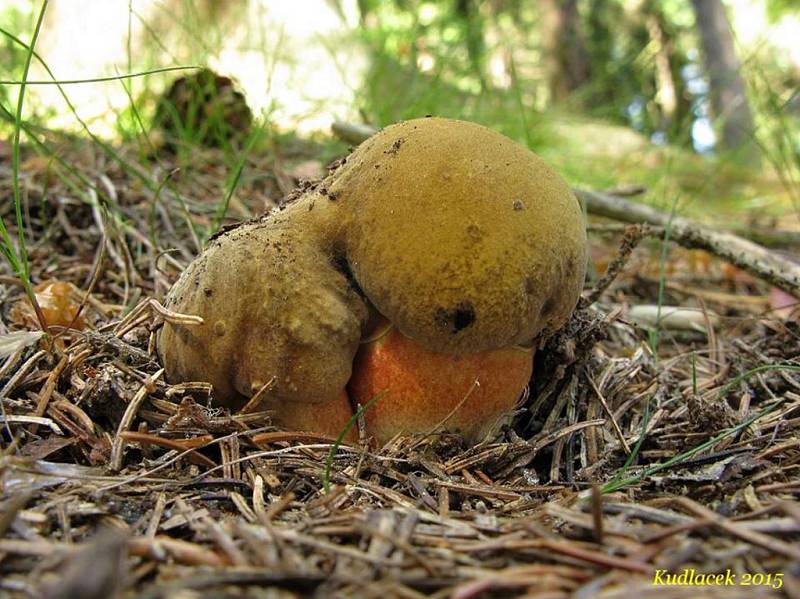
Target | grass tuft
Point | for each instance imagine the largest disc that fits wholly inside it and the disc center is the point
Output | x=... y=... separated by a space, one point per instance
x=18 y=257
x=618 y=482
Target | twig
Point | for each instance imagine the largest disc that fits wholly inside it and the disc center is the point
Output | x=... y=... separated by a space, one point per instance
x=37 y=420
x=740 y=252
x=755 y=538
x=49 y=386
x=597 y=514
x=352 y=133
x=11 y=507
x=631 y=238
x=115 y=463
x=21 y=373
x=174 y=317
x=148 y=439
x=611 y=204
x=610 y=414
x=559 y=547
x=737 y=250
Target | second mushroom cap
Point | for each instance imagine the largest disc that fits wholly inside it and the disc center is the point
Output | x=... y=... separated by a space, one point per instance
x=462 y=238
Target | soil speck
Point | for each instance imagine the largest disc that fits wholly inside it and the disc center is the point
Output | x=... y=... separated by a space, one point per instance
x=395 y=146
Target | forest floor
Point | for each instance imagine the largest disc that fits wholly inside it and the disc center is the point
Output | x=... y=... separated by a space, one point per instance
x=649 y=450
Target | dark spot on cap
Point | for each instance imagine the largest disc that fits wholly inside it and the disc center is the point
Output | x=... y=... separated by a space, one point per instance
x=474 y=232
x=457 y=319
x=571 y=264
x=208 y=291
x=518 y=205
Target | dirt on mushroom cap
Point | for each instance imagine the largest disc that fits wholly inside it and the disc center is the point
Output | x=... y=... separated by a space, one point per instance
x=275 y=312
x=464 y=239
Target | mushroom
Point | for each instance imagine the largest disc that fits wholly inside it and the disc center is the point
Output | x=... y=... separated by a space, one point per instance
x=465 y=241
x=425 y=391
x=279 y=320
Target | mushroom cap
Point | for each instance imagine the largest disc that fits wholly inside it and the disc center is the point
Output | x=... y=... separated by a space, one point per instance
x=462 y=238
x=276 y=312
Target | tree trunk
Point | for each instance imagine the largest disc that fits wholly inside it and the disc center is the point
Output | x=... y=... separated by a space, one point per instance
x=666 y=95
x=468 y=12
x=565 y=51
x=727 y=88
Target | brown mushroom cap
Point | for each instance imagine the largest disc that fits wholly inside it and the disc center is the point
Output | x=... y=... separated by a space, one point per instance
x=276 y=312
x=464 y=239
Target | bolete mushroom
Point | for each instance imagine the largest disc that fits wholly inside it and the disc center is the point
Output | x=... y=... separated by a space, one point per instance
x=425 y=391
x=465 y=241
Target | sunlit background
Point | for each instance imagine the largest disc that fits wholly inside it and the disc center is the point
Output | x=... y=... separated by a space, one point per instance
x=303 y=62
x=634 y=80
x=295 y=61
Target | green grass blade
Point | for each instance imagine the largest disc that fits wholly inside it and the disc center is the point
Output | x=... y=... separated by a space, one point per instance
x=635 y=451
x=19 y=258
x=222 y=208
x=518 y=98
x=326 y=477
x=99 y=79
x=23 y=255
x=616 y=484
x=747 y=374
x=187 y=217
x=655 y=332
x=131 y=169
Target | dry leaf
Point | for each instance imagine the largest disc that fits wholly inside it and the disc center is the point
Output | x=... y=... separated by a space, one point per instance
x=13 y=342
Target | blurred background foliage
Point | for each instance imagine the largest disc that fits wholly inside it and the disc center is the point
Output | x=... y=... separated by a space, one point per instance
x=612 y=92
